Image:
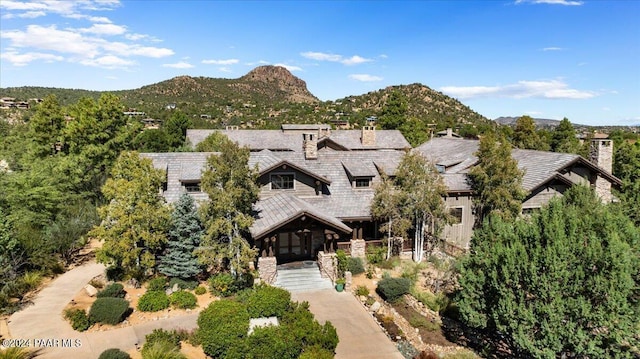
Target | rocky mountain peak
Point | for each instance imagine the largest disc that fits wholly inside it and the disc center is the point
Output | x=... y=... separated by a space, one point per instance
x=283 y=79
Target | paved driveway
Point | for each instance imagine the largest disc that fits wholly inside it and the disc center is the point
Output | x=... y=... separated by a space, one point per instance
x=360 y=336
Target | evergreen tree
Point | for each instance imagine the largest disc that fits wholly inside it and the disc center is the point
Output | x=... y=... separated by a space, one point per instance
x=232 y=189
x=45 y=127
x=184 y=237
x=626 y=166
x=563 y=138
x=423 y=191
x=176 y=128
x=561 y=283
x=496 y=180
x=135 y=219
x=525 y=135
x=394 y=111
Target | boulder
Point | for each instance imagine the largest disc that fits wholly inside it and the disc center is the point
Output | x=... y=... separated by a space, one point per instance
x=375 y=306
x=90 y=290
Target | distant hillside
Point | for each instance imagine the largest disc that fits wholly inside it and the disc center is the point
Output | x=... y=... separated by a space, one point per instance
x=266 y=97
x=540 y=122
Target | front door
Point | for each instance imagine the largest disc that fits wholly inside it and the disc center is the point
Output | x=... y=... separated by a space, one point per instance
x=294 y=246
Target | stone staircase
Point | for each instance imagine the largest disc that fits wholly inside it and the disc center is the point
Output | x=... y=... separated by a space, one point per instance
x=302 y=280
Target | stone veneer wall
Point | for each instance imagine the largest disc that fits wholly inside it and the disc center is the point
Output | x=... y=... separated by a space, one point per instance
x=327 y=264
x=267 y=268
x=358 y=248
x=602 y=155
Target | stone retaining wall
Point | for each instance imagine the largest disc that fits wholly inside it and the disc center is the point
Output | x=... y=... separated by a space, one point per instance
x=267 y=268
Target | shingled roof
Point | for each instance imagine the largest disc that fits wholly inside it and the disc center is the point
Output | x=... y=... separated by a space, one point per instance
x=180 y=167
x=457 y=156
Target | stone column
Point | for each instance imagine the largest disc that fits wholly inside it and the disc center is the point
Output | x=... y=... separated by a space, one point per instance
x=327 y=263
x=267 y=268
x=358 y=248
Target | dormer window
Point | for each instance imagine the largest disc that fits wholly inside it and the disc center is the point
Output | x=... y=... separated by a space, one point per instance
x=282 y=181
x=362 y=182
x=192 y=187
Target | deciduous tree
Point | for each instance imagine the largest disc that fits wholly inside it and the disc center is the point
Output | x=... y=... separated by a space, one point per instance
x=387 y=204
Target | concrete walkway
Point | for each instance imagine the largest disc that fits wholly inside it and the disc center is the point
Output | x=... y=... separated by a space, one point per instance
x=43 y=326
x=360 y=336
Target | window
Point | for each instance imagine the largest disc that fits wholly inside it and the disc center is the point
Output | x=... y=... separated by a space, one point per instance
x=456 y=215
x=192 y=187
x=530 y=211
x=362 y=182
x=282 y=181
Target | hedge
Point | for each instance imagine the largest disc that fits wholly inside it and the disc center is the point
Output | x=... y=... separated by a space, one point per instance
x=114 y=353
x=109 y=310
x=113 y=290
x=222 y=325
x=391 y=289
x=267 y=301
x=153 y=301
x=183 y=300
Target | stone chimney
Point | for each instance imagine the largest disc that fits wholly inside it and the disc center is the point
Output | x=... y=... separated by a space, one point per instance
x=601 y=154
x=310 y=145
x=368 y=137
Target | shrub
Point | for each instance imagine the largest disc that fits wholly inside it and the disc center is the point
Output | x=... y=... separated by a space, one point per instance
x=222 y=284
x=412 y=270
x=17 y=353
x=78 y=318
x=316 y=352
x=169 y=340
x=393 y=288
x=113 y=290
x=114 y=273
x=267 y=301
x=200 y=290
x=183 y=284
x=114 y=353
x=436 y=302
x=97 y=283
x=109 y=310
x=183 y=300
x=418 y=321
x=272 y=342
x=375 y=255
x=362 y=290
x=162 y=350
x=300 y=321
x=221 y=326
x=355 y=265
x=157 y=284
x=153 y=301
x=343 y=264
x=390 y=263
x=31 y=280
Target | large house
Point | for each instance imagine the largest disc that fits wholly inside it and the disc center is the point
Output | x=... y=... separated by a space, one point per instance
x=317 y=184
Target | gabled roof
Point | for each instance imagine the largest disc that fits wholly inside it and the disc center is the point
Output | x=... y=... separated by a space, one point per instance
x=458 y=156
x=274 y=212
x=360 y=168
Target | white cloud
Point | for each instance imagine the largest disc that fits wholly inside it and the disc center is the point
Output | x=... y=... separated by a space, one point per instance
x=109 y=62
x=551 y=2
x=552 y=49
x=550 y=89
x=365 y=77
x=105 y=29
x=25 y=15
x=50 y=38
x=221 y=62
x=355 y=60
x=21 y=5
x=321 y=56
x=289 y=67
x=179 y=65
x=224 y=69
x=17 y=59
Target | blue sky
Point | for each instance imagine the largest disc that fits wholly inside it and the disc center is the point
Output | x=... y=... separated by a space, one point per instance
x=544 y=58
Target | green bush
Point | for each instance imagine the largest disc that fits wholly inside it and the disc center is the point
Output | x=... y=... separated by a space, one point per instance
x=375 y=255
x=267 y=301
x=169 y=339
x=153 y=301
x=114 y=353
x=390 y=263
x=222 y=284
x=362 y=290
x=343 y=263
x=355 y=265
x=113 y=290
x=109 y=310
x=272 y=342
x=316 y=352
x=162 y=350
x=157 y=284
x=391 y=289
x=183 y=284
x=183 y=300
x=436 y=302
x=418 y=321
x=200 y=290
x=78 y=318
x=221 y=326
x=300 y=321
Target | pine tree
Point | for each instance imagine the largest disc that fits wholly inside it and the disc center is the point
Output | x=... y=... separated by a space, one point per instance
x=394 y=111
x=184 y=237
x=525 y=135
x=563 y=138
x=496 y=180
x=561 y=283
